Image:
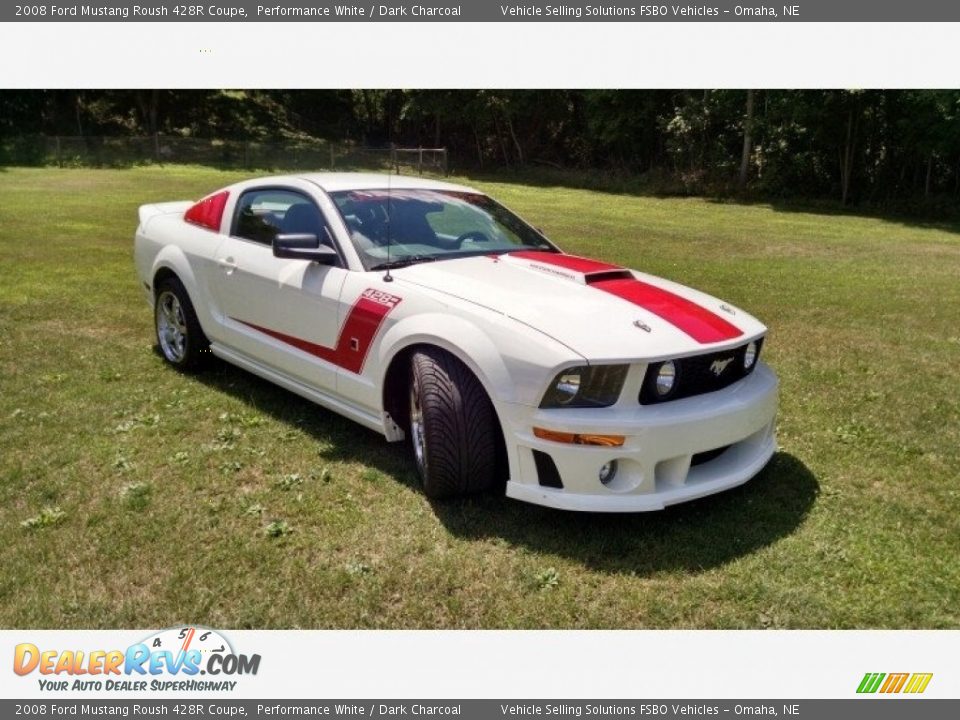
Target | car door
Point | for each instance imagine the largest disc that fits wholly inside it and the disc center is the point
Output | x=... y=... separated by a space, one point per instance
x=282 y=313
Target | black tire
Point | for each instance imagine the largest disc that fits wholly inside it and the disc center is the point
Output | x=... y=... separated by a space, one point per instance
x=180 y=338
x=460 y=434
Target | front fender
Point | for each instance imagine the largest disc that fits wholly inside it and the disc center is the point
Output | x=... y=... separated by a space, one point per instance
x=473 y=348
x=512 y=362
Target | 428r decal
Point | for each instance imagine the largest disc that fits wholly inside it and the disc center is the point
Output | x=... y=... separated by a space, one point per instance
x=379 y=296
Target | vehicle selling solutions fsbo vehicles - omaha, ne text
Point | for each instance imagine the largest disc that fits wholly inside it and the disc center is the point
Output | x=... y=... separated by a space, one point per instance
x=429 y=312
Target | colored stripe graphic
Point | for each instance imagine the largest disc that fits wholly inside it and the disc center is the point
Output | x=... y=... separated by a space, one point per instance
x=870 y=682
x=918 y=682
x=894 y=682
x=356 y=335
x=696 y=321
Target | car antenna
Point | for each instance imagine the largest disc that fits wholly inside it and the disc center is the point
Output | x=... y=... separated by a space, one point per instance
x=388 y=277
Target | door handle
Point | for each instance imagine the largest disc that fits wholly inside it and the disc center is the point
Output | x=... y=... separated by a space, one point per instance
x=228 y=264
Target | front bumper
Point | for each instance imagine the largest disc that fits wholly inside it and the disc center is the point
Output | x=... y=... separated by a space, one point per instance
x=663 y=460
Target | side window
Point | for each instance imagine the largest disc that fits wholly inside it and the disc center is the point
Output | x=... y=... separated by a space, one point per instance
x=261 y=215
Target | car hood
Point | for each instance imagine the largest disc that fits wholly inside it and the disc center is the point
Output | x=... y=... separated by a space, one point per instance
x=603 y=312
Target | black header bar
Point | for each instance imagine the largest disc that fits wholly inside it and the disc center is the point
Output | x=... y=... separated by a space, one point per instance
x=482 y=11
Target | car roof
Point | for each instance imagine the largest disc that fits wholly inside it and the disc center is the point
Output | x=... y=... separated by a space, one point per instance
x=335 y=181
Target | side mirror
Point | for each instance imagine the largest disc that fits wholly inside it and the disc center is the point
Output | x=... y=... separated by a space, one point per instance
x=305 y=246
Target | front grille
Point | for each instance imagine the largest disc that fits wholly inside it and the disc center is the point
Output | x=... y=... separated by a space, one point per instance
x=699 y=374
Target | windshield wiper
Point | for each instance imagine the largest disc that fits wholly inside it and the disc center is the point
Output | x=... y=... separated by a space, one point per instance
x=403 y=262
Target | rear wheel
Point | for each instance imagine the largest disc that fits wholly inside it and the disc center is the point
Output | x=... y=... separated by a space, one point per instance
x=181 y=340
x=453 y=426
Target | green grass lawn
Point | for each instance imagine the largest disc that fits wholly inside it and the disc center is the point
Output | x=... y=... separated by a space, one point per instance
x=134 y=496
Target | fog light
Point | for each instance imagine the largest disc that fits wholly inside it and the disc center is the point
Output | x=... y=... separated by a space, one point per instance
x=750 y=356
x=608 y=472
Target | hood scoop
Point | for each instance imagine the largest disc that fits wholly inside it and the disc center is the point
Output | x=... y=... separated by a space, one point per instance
x=599 y=277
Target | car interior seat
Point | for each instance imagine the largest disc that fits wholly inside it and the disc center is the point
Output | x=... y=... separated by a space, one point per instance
x=305 y=218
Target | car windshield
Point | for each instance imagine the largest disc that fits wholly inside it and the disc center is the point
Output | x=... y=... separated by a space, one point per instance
x=392 y=228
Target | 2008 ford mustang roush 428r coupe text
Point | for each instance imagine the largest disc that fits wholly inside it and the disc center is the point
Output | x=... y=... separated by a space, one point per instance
x=430 y=313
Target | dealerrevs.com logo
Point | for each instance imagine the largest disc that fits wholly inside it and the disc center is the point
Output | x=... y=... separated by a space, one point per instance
x=170 y=660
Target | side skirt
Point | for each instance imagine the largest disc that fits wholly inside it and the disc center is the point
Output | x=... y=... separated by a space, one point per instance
x=337 y=405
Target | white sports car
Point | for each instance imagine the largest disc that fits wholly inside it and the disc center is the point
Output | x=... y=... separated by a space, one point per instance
x=427 y=311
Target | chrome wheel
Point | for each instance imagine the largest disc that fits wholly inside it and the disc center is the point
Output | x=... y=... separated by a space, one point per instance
x=171 y=327
x=417 y=434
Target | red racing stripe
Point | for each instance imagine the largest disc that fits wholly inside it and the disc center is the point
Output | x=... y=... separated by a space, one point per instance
x=356 y=335
x=568 y=262
x=696 y=321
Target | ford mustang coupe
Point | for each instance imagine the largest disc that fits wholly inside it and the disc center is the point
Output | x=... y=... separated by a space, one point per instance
x=430 y=313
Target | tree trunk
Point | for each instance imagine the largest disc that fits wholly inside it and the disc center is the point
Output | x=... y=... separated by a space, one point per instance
x=154 y=111
x=476 y=136
x=747 y=140
x=78 y=106
x=503 y=144
x=513 y=136
x=846 y=169
x=704 y=115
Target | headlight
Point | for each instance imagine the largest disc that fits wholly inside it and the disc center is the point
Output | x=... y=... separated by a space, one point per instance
x=567 y=386
x=586 y=386
x=666 y=378
x=749 y=355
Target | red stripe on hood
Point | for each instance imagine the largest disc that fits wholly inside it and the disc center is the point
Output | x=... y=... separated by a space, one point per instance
x=569 y=262
x=698 y=322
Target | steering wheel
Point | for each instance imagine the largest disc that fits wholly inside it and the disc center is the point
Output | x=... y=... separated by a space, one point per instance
x=472 y=236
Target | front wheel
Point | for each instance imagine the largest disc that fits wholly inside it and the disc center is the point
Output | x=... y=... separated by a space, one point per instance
x=179 y=335
x=453 y=426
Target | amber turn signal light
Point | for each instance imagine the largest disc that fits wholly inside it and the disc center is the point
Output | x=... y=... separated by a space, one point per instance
x=579 y=439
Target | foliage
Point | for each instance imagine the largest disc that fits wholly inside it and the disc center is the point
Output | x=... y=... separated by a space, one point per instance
x=897 y=149
x=278 y=528
x=45 y=518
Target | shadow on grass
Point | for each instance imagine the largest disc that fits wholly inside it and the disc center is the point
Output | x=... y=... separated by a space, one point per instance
x=832 y=209
x=694 y=536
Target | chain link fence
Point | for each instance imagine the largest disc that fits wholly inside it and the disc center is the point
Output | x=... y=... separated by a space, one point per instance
x=105 y=151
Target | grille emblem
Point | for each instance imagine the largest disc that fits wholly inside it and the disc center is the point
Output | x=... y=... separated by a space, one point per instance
x=718 y=366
